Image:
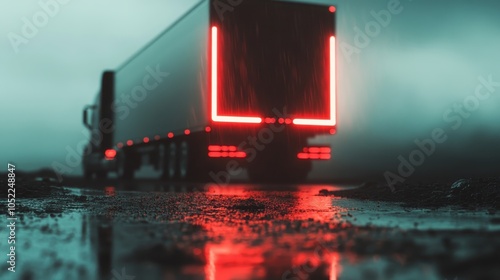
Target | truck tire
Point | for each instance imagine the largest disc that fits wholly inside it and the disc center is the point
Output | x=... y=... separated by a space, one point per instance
x=199 y=165
x=87 y=174
x=277 y=164
x=295 y=172
x=183 y=161
x=169 y=167
x=126 y=168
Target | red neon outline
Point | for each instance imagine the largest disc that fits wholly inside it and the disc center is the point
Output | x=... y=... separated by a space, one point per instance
x=333 y=120
x=215 y=116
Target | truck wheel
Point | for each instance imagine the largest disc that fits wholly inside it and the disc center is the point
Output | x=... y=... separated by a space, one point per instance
x=283 y=172
x=183 y=161
x=87 y=174
x=125 y=168
x=170 y=162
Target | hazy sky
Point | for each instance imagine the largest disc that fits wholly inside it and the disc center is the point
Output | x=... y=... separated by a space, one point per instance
x=393 y=87
x=46 y=84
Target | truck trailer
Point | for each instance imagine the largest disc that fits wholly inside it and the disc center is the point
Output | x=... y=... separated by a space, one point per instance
x=231 y=84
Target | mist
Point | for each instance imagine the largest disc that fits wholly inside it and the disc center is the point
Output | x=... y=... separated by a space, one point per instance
x=395 y=87
x=406 y=81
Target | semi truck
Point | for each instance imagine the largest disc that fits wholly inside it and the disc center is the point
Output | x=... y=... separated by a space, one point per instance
x=230 y=85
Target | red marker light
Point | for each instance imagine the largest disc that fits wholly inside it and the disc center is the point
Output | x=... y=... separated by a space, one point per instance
x=119 y=145
x=227 y=154
x=332 y=9
x=130 y=143
x=325 y=156
x=146 y=139
x=110 y=154
x=270 y=120
x=170 y=135
x=157 y=137
x=187 y=132
x=314 y=150
x=208 y=129
x=320 y=153
x=216 y=151
x=325 y=150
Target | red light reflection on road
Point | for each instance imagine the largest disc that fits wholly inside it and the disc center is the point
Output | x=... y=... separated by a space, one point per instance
x=244 y=249
x=110 y=191
x=224 y=261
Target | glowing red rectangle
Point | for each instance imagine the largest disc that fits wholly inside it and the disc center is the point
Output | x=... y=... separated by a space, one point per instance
x=317 y=150
x=218 y=148
x=325 y=150
x=225 y=151
x=250 y=119
x=314 y=150
x=214 y=148
x=325 y=156
x=313 y=156
x=303 y=156
x=227 y=154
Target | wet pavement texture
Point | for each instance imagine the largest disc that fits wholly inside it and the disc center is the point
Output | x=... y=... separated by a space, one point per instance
x=154 y=230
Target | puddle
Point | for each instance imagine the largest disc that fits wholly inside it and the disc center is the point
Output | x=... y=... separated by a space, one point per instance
x=384 y=214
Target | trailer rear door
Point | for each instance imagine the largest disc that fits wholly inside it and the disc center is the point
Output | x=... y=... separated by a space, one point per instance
x=270 y=55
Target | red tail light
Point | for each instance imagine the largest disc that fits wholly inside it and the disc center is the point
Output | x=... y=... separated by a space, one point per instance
x=218 y=151
x=109 y=154
x=321 y=153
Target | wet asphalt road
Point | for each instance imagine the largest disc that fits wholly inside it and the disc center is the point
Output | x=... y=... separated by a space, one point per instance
x=153 y=230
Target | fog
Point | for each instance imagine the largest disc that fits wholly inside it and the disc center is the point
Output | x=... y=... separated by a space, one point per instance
x=397 y=83
x=407 y=81
x=45 y=85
